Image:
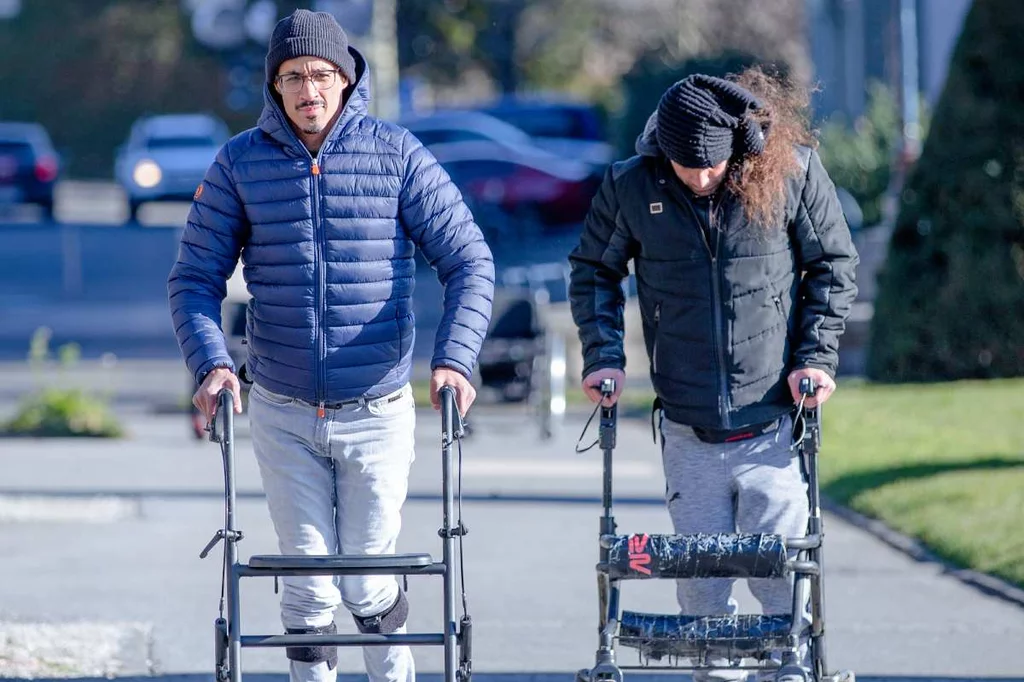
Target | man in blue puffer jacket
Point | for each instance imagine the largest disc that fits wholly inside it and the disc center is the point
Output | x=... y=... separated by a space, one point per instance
x=326 y=206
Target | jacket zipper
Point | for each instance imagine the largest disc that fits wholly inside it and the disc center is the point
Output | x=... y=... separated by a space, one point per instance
x=320 y=294
x=724 y=404
x=321 y=288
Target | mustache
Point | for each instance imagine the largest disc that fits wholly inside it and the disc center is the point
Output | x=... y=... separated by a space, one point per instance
x=308 y=102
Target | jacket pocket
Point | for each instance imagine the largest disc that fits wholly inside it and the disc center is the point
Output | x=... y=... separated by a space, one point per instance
x=779 y=307
x=397 y=403
x=398 y=328
x=657 y=328
x=270 y=397
x=403 y=321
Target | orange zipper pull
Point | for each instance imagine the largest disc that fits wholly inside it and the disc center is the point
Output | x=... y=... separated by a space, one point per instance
x=320 y=410
x=315 y=168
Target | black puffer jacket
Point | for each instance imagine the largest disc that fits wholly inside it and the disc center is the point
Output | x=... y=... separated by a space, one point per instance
x=723 y=332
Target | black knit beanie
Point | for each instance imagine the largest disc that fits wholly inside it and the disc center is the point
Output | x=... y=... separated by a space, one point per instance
x=310 y=34
x=703 y=120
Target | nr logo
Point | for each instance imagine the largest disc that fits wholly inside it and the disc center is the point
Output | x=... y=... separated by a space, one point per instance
x=639 y=557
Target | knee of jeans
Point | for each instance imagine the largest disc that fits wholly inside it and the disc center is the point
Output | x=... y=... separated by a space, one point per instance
x=309 y=605
x=368 y=595
x=387 y=621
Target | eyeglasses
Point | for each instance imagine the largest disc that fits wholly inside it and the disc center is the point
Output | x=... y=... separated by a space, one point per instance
x=294 y=82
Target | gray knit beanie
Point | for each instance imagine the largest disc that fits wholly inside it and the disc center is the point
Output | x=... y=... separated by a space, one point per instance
x=310 y=34
x=703 y=120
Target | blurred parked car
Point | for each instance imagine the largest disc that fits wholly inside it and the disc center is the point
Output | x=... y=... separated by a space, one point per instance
x=166 y=157
x=29 y=166
x=468 y=126
x=544 y=190
x=567 y=129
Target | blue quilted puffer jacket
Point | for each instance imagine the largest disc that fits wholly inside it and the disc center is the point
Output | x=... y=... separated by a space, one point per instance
x=327 y=247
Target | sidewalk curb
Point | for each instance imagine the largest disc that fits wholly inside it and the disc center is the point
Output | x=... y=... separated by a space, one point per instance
x=913 y=548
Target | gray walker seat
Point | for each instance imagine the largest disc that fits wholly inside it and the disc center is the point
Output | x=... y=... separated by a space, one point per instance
x=229 y=640
x=750 y=642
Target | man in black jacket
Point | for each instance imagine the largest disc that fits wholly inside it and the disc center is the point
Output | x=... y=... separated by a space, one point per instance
x=745 y=277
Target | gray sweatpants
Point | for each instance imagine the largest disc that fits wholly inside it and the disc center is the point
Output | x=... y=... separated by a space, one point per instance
x=750 y=486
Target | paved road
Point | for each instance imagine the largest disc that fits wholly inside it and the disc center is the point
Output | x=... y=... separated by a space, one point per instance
x=100 y=282
x=128 y=518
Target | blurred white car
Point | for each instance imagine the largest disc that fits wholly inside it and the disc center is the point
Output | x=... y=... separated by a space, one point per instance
x=166 y=157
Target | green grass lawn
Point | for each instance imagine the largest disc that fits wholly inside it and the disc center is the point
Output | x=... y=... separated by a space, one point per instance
x=940 y=462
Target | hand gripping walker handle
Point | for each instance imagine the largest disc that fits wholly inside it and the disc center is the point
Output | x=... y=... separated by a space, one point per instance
x=807 y=430
x=219 y=425
x=450 y=413
x=608 y=416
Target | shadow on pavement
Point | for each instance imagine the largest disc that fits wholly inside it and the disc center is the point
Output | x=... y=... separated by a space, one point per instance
x=849 y=486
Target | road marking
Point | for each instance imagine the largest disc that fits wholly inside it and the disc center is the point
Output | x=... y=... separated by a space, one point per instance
x=18 y=508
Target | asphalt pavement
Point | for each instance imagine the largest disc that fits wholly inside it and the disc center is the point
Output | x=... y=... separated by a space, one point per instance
x=97 y=281
x=100 y=539
x=105 y=536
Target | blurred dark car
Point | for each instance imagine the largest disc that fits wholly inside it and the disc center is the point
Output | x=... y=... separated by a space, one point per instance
x=166 y=157
x=457 y=125
x=565 y=128
x=544 y=190
x=29 y=166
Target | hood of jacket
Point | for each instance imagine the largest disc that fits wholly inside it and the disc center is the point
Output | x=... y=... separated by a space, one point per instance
x=276 y=124
x=647 y=141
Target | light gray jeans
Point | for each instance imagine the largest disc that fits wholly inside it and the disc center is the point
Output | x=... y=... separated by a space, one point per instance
x=336 y=485
x=750 y=486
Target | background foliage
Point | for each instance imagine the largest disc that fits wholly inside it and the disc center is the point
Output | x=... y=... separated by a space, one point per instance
x=952 y=290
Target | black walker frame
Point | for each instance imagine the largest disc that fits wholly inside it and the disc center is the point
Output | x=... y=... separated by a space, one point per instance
x=229 y=640
x=733 y=638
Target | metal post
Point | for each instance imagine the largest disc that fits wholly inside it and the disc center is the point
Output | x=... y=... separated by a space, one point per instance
x=909 y=81
x=607 y=590
x=448 y=437
x=815 y=527
x=385 y=66
x=607 y=440
x=225 y=421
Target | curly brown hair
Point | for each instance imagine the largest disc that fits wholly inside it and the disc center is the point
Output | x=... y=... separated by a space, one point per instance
x=759 y=181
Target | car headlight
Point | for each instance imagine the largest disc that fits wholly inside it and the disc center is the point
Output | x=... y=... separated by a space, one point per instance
x=147 y=174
